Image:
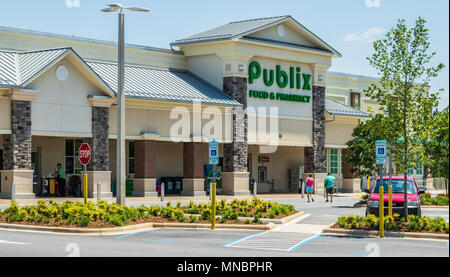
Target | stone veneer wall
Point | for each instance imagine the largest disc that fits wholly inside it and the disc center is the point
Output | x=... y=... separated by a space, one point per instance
x=100 y=140
x=17 y=146
x=315 y=157
x=236 y=154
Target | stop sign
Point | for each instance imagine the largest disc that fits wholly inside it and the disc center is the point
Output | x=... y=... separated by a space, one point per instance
x=84 y=153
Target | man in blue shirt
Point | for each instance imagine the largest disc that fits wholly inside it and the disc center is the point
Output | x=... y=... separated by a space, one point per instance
x=329 y=186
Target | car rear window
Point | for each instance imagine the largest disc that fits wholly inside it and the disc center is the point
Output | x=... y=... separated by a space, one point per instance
x=397 y=186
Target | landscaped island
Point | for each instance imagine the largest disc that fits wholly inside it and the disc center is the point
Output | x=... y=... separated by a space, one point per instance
x=393 y=223
x=104 y=215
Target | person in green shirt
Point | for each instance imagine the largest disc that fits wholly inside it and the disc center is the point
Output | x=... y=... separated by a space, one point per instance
x=329 y=186
x=61 y=178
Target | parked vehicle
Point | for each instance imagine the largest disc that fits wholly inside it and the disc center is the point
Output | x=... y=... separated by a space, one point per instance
x=397 y=196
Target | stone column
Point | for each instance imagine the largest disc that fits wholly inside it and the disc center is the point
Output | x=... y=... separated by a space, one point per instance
x=315 y=157
x=351 y=184
x=145 y=168
x=236 y=176
x=193 y=161
x=17 y=149
x=98 y=168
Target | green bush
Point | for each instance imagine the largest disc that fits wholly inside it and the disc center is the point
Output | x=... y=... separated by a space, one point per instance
x=394 y=223
x=206 y=214
x=84 y=215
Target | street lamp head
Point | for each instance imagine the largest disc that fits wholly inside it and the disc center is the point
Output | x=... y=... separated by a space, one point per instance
x=138 y=9
x=109 y=10
x=115 y=6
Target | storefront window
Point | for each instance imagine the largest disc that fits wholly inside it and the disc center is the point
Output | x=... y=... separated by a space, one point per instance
x=72 y=163
x=131 y=157
x=333 y=161
x=411 y=171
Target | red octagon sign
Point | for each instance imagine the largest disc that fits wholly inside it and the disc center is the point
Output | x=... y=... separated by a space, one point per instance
x=84 y=153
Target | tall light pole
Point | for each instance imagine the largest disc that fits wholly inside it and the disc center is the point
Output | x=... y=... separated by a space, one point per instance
x=120 y=160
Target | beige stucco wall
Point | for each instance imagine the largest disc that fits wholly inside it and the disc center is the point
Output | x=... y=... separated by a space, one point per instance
x=92 y=49
x=155 y=117
x=51 y=151
x=169 y=159
x=62 y=107
x=290 y=35
x=5 y=115
x=208 y=67
x=339 y=131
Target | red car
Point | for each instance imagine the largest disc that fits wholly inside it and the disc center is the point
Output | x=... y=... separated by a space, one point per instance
x=398 y=196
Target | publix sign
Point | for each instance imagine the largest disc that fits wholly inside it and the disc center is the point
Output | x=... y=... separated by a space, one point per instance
x=292 y=79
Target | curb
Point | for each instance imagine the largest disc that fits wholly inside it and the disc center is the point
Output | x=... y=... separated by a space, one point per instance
x=367 y=233
x=435 y=207
x=129 y=229
x=265 y=220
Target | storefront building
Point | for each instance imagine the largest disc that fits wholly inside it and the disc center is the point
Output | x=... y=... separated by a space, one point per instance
x=58 y=91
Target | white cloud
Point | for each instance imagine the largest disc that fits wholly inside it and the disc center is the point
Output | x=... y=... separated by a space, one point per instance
x=373 y=3
x=368 y=35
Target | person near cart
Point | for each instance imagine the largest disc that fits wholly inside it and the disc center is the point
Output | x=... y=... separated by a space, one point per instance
x=309 y=187
x=329 y=186
x=61 y=177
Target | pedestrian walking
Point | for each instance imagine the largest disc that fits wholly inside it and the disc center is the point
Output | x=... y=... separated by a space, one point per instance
x=309 y=187
x=329 y=186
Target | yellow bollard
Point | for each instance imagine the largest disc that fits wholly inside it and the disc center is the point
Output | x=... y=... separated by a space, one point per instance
x=368 y=183
x=390 y=201
x=213 y=207
x=381 y=212
x=85 y=188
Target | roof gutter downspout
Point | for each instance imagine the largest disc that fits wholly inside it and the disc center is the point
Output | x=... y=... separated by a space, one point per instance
x=329 y=121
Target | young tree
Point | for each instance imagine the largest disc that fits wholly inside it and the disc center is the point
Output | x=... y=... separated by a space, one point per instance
x=361 y=149
x=437 y=147
x=402 y=60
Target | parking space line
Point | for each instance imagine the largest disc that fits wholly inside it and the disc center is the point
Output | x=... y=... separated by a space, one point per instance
x=13 y=242
x=136 y=233
x=300 y=244
x=242 y=239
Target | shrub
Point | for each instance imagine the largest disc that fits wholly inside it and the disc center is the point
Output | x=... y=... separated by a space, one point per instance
x=192 y=218
x=206 y=214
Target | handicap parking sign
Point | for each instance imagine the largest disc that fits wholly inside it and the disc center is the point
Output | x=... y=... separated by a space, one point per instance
x=380 y=146
x=214 y=152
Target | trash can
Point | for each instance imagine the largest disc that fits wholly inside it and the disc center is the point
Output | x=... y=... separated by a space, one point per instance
x=178 y=185
x=170 y=185
x=130 y=187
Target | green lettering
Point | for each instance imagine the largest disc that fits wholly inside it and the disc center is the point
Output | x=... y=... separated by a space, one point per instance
x=268 y=80
x=292 y=77
x=282 y=77
x=298 y=78
x=254 y=71
x=307 y=81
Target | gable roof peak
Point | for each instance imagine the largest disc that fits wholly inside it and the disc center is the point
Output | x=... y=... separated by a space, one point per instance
x=262 y=18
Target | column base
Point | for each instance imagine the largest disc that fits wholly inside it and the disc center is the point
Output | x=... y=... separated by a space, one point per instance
x=145 y=188
x=23 y=179
x=351 y=186
x=236 y=183
x=102 y=177
x=193 y=187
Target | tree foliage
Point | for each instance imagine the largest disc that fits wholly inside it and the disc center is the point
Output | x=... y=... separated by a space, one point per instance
x=361 y=149
x=402 y=59
x=437 y=147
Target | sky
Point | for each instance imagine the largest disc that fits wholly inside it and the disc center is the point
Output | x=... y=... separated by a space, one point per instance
x=350 y=26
